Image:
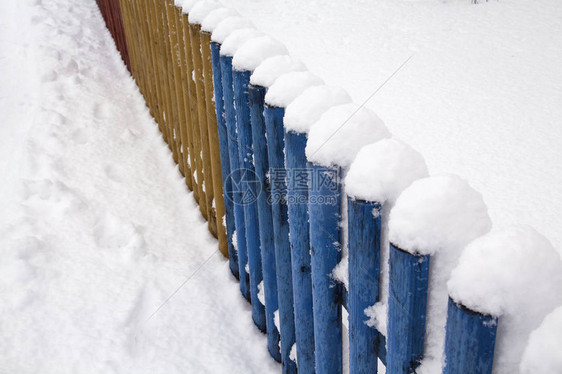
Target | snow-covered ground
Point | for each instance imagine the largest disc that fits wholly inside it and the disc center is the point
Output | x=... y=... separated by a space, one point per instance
x=97 y=228
x=480 y=96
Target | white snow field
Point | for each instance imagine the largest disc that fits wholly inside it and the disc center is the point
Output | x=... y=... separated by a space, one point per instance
x=480 y=96
x=97 y=228
x=106 y=265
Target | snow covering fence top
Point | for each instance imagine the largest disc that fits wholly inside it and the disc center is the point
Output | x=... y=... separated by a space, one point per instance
x=319 y=209
x=431 y=222
x=513 y=275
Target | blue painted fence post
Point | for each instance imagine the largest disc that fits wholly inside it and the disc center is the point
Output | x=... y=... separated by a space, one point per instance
x=407 y=308
x=469 y=341
x=235 y=195
x=225 y=159
x=257 y=95
x=275 y=147
x=250 y=186
x=297 y=180
x=364 y=238
x=325 y=237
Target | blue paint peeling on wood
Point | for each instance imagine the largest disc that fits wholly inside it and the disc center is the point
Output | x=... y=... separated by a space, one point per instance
x=325 y=240
x=230 y=118
x=250 y=186
x=407 y=308
x=275 y=147
x=225 y=159
x=256 y=97
x=470 y=340
x=297 y=180
x=364 y=237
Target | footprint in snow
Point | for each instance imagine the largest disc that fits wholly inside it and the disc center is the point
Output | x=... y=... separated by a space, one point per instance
x=129 y=135
x=52 y=197
x=79 y=136
x=111 y=232
x=70 y=68
x=18 y=274
x=49 y=76
x=48 y=117
x=101 y=111
x=40 y=188
x=35 y=20
x=30 y=246
x=113 y=173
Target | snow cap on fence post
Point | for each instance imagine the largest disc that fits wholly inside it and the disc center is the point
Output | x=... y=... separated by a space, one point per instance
x=379 y=173
x=516 y=275
x=236 y=39
x=308 y=107
x=187 y=5
x=376 y=177
x=288 y=86
x=272 y=68
x=342 y=130
x=436 y=216
x=542 y=353
x=251 y=54
x=339 y=134
x=216 y=16
x=382 y=170
x=226 y=26
x=200 y=10
x=305 y=110
x=178 y=3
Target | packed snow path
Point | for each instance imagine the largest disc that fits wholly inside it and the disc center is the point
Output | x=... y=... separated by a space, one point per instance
x=97 y=228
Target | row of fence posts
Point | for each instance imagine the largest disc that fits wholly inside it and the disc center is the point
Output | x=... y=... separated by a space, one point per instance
x=111 y=12
x=166 y=51
x=227 y=141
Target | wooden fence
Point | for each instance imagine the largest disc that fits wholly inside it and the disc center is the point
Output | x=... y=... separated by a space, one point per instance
x=228 y=144
x=111 y=12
